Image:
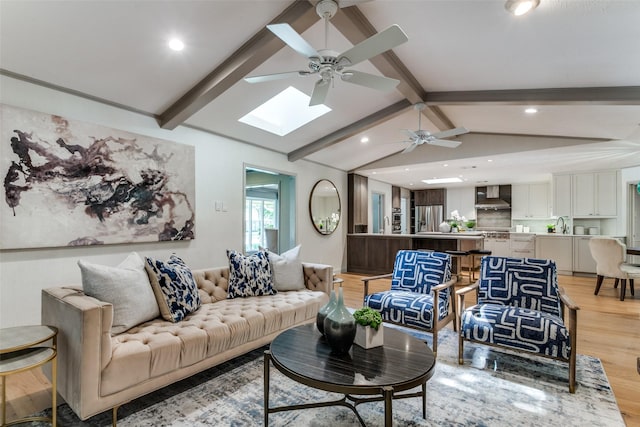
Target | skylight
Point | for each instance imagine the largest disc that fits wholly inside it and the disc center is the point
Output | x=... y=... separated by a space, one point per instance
x=441 y=180
x=284 y=113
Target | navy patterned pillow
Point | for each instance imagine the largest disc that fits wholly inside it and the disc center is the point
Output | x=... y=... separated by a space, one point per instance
x=174 y=287
x=250 y=275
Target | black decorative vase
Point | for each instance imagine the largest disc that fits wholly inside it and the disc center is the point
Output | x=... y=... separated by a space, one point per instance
x=324 y=310
x=340 y=327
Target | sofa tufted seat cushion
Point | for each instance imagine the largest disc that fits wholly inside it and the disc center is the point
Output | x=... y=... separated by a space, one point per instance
x=159 y=347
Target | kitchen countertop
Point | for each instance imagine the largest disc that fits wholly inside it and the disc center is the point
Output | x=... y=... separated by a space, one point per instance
x=465 y=235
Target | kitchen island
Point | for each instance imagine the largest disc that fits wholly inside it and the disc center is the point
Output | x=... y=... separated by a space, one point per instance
x=369 y=253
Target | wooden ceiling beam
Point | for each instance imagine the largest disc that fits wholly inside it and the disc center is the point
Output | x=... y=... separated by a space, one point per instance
x=361 y=125
x=617 y=95
x=300 y=15
x=352 y=23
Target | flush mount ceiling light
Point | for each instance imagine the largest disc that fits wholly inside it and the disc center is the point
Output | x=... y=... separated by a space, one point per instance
x=176 y=44
x=520 y=7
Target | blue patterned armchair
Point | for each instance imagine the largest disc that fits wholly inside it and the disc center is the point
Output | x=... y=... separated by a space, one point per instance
x=520 y=307
x=419 y=278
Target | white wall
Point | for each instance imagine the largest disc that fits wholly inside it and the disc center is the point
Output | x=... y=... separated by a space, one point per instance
x=219 y=177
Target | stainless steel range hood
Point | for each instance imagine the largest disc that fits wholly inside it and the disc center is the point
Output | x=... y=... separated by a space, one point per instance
x=493 y=197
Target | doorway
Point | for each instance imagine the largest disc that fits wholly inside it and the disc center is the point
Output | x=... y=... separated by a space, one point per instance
x=269 y=210
x=377 y=213
x=633 y=220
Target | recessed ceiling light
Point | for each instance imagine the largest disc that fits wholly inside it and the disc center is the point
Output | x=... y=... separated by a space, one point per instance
x=531 y=110
x=176 y=44
x=364 y=139
x=520 y=7
x=441 y=180
x=373 y=173
x=406 y=169
x=489 y=160
x=445 y=165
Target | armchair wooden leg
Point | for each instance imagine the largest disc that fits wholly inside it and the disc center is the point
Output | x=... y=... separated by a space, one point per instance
x=460 y=350
x=572 y=372
x=599 y=283
x=435 y=341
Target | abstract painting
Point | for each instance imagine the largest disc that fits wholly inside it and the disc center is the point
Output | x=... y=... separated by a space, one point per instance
x=72 y=183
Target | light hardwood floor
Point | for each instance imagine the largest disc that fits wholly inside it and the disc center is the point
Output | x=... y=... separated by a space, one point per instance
x=607 y=328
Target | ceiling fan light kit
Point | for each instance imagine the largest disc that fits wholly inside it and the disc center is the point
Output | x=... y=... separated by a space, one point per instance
x=521 y=7
x=329 y=64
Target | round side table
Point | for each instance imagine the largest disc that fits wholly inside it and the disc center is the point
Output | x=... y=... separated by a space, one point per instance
x=23 y=348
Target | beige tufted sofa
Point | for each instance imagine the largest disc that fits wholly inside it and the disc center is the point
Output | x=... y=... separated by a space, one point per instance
x=98 y=371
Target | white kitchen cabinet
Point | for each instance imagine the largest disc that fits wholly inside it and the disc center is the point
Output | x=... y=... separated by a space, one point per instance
x=463 y=200
x=557 y=248
x=530 y=201
x=561 y=195
x=523 y=245
x=583 y=262
x=595 y=194
x=498 y=246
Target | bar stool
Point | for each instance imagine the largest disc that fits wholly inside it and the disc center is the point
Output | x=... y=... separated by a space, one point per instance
x=476 y=254
x=458 y=255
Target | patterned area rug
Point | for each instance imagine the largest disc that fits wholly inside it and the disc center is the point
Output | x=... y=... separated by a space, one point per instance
x=492 y=388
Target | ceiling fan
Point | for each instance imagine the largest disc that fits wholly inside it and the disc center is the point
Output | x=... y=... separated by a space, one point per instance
x=420 y=136
x=329 y=64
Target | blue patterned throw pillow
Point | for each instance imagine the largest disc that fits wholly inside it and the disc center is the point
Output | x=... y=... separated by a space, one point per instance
x=174 y=287
x=250 y=275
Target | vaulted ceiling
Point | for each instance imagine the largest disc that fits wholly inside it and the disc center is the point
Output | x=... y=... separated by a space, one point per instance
x=472 y=63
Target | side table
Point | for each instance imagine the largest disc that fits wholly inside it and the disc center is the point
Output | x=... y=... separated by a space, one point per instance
x=23 y=348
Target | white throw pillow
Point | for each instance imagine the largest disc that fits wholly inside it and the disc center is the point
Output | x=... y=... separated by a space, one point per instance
x=287 y=270
x=126 y=286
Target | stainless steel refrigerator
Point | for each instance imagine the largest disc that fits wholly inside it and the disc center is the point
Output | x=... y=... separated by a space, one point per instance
x=429 y=218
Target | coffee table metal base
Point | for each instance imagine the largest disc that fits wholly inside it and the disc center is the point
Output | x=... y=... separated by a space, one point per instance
x=349 y=401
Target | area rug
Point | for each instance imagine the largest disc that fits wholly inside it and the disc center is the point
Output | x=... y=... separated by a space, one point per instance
x=492 y=388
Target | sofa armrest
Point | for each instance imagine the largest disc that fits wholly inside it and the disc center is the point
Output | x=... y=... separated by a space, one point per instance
x=318 y=277
x=84 y=342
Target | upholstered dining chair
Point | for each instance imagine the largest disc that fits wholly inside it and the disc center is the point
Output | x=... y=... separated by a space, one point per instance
x=520 y=307
x=421 y=294
x=610 y=254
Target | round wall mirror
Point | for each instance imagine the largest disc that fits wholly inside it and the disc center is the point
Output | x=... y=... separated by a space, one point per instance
x=324 y=206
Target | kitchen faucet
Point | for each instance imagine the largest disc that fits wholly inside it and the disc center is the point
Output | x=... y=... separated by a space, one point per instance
x=564 y=224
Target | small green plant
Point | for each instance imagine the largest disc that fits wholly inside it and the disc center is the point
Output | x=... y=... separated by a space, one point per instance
x=367 y=316
x=470 y=224
x=551 y=228
x=454 y=224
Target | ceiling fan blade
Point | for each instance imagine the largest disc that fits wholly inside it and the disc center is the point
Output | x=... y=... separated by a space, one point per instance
x=294 y=40
x=450 y=132
x=411 y=134
x=320 y=92
x=369 y=80
x=444 y=143
x=375 y=45
x=410 y=148
x=276 y=76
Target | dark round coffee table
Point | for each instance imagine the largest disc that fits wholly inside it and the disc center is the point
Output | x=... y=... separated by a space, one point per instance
x=302 y=354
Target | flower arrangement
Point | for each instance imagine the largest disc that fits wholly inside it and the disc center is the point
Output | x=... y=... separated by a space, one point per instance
x=367 y=316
